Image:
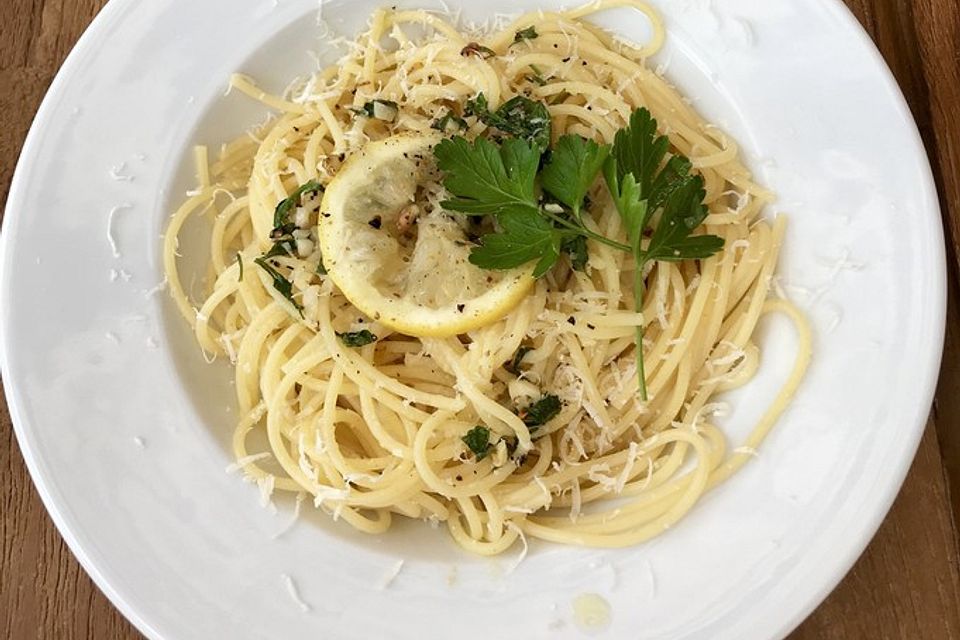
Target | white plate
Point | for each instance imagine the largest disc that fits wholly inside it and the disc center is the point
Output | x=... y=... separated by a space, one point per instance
x=124 y=428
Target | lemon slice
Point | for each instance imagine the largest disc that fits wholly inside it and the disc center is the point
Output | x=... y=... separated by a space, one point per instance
x=398 y=256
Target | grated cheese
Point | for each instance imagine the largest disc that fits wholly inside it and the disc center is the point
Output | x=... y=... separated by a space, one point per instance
x=294 y=593
x=246 y=460
x=149 y=293
x=266 y=485
x=523 y=552
x=116 y=173
x=575 y=500
x=391 y=575
x=294 y=519
x=110 y=220
x=628 y=467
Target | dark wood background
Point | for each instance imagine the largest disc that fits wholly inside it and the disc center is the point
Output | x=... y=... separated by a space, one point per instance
x=906 y=585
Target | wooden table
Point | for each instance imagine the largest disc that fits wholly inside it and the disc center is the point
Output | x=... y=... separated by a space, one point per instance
x=906 y=585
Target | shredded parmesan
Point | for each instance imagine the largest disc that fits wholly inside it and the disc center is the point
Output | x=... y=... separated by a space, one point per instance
x=293 y=519
x=575 y=500
x=391 y=575
x=116 y=173
x=149 y=293
x=523 y=551
x=266 y=485
x=247 y=460
x=110 y=220
x=294 y=593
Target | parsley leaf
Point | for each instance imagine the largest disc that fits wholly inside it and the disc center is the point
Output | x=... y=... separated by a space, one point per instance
x=572 y=170
x=634 y=211
x=321 y=269
x=525 y=237
x=487 y=180
x=683 y=212
x=640 y=151
x=541 y=412
x=519 y=117
x=357 y=338
x=530 y=33
x=240 y=266
x=478 y=440
x=281 y=284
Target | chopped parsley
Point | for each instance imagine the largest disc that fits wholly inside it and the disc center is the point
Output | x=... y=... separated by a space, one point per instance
x=478 y=441
x=281 y=215
x=537 y=76
x=283 y=286
x=477 y=49
x=379 y=109
x=541 y=412
x=240 y=266
x=282 y=232
x=357 y=338
x=514 y=365
x=449 y=123
x=530 y=33
x=519 y=117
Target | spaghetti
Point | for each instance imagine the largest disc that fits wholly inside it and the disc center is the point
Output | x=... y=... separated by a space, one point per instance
x=376 y=431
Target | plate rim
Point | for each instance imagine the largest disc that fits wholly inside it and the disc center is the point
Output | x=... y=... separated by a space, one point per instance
x=884 y=495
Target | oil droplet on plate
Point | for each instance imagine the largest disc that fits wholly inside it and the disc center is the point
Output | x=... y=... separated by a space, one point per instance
x=591 y=612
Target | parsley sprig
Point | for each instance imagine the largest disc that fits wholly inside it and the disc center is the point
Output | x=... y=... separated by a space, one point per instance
x=537 y=195
x=642 y=179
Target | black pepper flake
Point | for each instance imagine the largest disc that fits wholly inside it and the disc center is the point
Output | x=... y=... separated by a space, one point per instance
x=556 y=46
x=461 y=307
x=565 y=60
x=375 y=222
x=459 y=478
x=342 y=156
x=590 y=326
x=572 y=320
x=584 y=63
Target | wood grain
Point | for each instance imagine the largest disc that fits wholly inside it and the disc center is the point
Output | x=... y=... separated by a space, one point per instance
x=905 y=586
